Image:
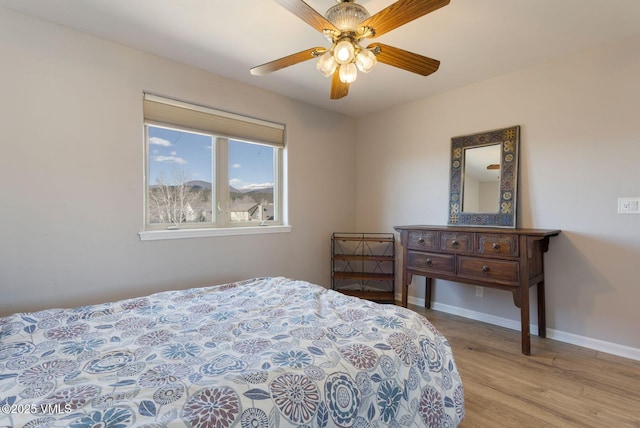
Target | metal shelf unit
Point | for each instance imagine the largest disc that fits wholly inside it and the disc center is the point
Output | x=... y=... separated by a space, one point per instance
x=363 y=265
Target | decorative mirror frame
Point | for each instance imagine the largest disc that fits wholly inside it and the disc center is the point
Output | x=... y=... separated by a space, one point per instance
x=505 y=215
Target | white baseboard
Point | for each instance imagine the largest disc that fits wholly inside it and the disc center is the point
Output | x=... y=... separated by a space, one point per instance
x=561 y=336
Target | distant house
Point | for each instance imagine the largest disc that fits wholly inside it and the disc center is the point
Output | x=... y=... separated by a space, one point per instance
x=251 y=211
x=190 y=214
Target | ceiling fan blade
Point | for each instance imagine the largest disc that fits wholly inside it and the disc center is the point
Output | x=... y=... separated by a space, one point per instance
x=308 y=14
x=399 y=13
x=286 y=61
x=339 y=89
x=406 y=60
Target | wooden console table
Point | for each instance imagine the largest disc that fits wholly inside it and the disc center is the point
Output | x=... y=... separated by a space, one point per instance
x=506 y=259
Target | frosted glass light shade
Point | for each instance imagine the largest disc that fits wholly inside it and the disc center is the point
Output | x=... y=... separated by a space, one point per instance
x=344 y=52
x=365 y=60
x=348 y=73
x=326 y=64
x=347 y=15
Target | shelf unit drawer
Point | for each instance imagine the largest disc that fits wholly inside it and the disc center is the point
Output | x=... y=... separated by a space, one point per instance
x=428 y=262
x=499 y=245
x=482 y=269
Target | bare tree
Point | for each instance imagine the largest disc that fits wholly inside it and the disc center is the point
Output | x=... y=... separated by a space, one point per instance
x=174 y=200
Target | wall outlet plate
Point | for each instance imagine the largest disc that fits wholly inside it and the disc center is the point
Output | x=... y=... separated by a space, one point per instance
x=629 y=205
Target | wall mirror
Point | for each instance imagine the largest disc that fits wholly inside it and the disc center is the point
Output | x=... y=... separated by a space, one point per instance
x=483 y=180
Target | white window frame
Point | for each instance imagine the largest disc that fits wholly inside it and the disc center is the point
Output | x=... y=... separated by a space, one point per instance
x=222 y=186
x=221 y=225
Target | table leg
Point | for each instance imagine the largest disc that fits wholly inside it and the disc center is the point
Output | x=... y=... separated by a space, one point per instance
x=406 y=279
x=524 y=320
x=542 y=315
x=427 y=292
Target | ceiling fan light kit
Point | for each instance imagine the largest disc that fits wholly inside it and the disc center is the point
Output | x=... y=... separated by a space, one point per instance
x=366 y=60
x=345 y=25
x=344 y=51
x=326 y=64
x=348 y=73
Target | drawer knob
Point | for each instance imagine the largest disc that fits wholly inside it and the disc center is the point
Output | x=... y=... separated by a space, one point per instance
x=429 y=262
x=496 y=246
x=485 y=269
x=455 y=244
x=421 y=240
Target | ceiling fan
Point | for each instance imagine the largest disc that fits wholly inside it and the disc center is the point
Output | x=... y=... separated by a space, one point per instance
x=346 y=25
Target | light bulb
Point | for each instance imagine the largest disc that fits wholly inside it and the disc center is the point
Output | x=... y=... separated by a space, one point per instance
x=348 y=73
x=326 y=64
x=365 y=60
x=344 y=52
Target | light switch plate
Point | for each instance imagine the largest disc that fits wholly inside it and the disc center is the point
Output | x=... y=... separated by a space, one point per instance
x=629 y=205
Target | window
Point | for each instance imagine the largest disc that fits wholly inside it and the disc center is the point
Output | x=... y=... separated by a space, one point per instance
x=207 y=169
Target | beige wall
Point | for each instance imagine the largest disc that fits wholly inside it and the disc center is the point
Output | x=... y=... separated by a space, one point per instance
x=580 y=151
x=71 y=190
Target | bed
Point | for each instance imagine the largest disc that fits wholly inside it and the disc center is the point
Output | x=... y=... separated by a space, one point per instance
x=265 y=352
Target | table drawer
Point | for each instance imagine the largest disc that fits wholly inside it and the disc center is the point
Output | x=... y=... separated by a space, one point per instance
x=422 y=240
x=456 y=242
x=497 y=244
x=428 y=262
x=499 y=271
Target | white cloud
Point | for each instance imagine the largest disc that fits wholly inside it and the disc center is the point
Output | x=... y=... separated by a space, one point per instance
x=159 y=142
x=236 y=165
x=241 y=185
x=174 y=153
x=257 y=186
x=170 y=159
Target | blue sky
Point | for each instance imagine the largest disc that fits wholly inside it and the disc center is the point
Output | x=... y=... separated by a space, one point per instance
x=250 y=165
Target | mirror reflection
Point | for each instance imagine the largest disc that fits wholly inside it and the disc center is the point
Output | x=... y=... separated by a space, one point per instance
x=481 y=191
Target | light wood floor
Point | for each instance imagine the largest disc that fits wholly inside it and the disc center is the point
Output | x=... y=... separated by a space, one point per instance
x=559 y=385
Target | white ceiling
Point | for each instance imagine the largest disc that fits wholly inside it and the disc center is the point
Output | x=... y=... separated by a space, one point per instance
x=474 y=40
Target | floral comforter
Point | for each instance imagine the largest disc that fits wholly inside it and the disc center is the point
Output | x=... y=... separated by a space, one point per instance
x=266 y=352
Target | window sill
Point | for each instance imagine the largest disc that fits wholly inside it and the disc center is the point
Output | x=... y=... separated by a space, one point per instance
x=155 y=235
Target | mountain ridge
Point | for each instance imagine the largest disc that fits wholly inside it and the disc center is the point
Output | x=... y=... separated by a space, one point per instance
x=201 y=184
